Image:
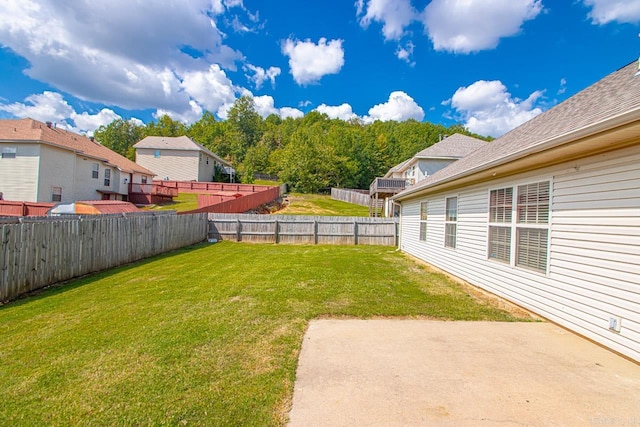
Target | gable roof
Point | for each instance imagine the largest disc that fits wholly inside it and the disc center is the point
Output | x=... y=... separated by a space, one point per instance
x=611 y=104
x=455 y=146
x=33 y=131
x=183 y=143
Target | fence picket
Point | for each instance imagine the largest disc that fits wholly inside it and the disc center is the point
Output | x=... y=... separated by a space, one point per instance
x=38 y=253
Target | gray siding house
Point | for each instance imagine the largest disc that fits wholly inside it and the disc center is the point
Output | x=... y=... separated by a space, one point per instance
x=178 y=158
x=548 y=215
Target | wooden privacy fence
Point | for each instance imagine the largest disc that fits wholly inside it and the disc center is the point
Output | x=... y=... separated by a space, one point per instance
x=236 y=205
x=357 y=197
x=304 y=229
x=35 y=254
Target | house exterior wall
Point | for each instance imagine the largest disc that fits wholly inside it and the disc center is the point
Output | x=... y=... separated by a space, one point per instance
x=206 y=168
x=593 y=270
x=57 y=169
x=428 y=167
x=19 y=175
x=85 y=184
x=177 y=165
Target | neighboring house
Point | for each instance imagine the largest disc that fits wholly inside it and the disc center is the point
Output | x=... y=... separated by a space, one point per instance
x=42 y=163
x=436 y=157
x=422 y=165
x=178 y=159
x=548 y=215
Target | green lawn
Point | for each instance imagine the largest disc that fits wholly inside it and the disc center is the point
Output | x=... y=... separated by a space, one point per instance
x=183 y=202
x=316 y=204
x=207 y=335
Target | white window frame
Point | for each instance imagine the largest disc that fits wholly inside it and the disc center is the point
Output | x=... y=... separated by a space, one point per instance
x=516 y=227
x=502 y=222
x=9 y=152
x=95 y=170
x=143 y=179
x=56 y=194
x=540 y=224
x=107 y=177
x=451 y=223
x=424 y=214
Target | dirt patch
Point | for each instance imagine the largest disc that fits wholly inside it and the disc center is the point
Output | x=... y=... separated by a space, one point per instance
x=482 y=296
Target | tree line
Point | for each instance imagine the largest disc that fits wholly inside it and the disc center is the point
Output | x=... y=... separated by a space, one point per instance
x=311 y=154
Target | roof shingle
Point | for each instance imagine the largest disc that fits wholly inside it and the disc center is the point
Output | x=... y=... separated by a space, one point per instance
x=614 y=95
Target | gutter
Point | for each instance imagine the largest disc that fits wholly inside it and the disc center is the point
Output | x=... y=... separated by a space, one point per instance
x=555 y=142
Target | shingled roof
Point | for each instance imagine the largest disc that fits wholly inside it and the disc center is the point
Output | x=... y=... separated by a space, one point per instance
x=33 y=131
x=176 y=143
x=455 y=146
x=615 y=98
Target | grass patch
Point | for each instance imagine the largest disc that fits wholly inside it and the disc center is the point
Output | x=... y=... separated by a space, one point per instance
x=208 y=335
x=316 y=204
x=181 y=203
x=266 y=182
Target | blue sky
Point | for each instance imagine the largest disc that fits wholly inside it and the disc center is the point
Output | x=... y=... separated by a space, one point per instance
x=487 y=64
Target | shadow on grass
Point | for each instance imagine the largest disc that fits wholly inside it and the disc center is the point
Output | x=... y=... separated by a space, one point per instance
x=77 y=282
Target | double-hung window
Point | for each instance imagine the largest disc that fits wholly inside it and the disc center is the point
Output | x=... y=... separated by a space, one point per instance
x=532 y=226
x=56 y=194
x=95 y=172
x=500 y=215
x=107 y=177
x=424 y=206
x=450 y=222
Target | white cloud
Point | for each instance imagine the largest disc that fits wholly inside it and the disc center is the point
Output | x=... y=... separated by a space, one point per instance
x=309 y=62
x=211 y=89
x=124 y=53
x=294 y=113
x=563 y=86
x=605 y=11
x=305 y=103
x=342 y=112
x=405 y=53
x=47 y=106
x=90 y=122
x=52 y=107
x=394 y=15
x=265 y=106
x=260 y=75
x=399 y=107
x=464 y=26
x=189 y=115
x=489 y=109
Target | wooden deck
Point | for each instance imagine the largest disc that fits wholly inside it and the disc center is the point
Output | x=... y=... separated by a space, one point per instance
x=381 y=189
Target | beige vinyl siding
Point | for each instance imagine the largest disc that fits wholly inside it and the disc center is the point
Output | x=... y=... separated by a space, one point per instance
x=177 y=165
x=85 y=184
x=594 y=247
x=57 y=169
x=19 y=176
x=206 y=171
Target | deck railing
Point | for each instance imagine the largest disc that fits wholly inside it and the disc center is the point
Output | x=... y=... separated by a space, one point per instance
x=152 y=189
x=387 y=185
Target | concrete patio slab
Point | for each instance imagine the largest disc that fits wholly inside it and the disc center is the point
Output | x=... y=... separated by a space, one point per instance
x=423 y=372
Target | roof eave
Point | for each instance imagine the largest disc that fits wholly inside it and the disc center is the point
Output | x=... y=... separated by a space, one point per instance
x=571 y=142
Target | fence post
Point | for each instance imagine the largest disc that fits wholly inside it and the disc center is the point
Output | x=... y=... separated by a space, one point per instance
x=315 y=232
x=355 y=232
x=395 y=235
x=277 y=231
x=238 y=230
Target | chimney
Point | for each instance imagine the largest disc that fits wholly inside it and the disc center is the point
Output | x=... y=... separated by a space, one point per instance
x=49 y=125
x=91 y=139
